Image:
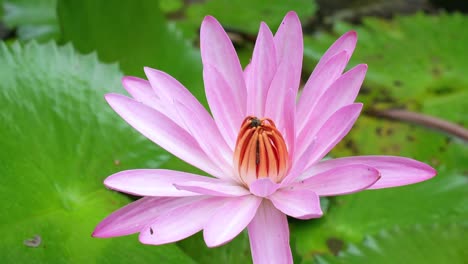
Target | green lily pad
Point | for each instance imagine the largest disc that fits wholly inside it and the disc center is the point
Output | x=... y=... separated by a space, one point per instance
x=236 y=251
x=400 y=54
x=134 y=34
x=418 y=244
x=33 y=19
x=397 y=54
x=350 y=218
x=169 y=6
x=410 y=58
x=59 y=141
x=243 y=16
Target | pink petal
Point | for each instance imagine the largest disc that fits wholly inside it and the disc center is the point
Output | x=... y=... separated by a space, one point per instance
x=347 y=43
x=166 y=88
x=269 y=236
x=281 y=103
x=179 y=223
x=298 y=203
x=290 y=123
x=135 y=216
x=204 y=130
x=263 y=187
x=141 y=91
x=317 y=84
x=334 y=129
x=247 y=72
x=275 y=103
x=230 y=220
x=329 y=68
x=217 y=51
x=394 y=171
x=171 y=90
x=290 y=47
x=340 y=180
x=213 y=188
x=300 y=164
x=190 y=114
x=147 y=182
x=342 y=92
x=163 y=131
x=262 y=70
x=222 y=105
x=173 y=93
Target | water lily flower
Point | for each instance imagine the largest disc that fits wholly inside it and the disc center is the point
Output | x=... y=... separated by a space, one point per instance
x=263 y=147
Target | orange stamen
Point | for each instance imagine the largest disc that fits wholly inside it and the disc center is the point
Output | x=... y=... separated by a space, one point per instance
x=260 y=151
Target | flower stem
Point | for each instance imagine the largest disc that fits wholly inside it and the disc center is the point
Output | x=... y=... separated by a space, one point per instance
x=424 y=120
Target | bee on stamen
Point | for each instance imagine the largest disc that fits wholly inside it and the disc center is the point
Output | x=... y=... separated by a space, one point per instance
x=255 y=122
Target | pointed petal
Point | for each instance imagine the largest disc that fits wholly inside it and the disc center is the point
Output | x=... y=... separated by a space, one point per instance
x=170 y=90
x=300 y=164
x=342 y=92
x=141 y=91
x=230 y=220
x=269 y=236
x=192 y=116
x=217 y=51
x=179 y=223
x=394 y=171
x=135 y=216
x=329 y=68
x=162 y=131
x=222 y=105
x=281 y=103
x=147 y=182
x=174 y=94
x=213 y=188
x=274 y=108
x=262 y=70
x=263 y=187
x=346 y=42
x=290 y=47
x=319 y=83
x=298 y=203
x=166 y=88
x=340 y=180
x=334 y=129
x=204 y=130
x=290 y=123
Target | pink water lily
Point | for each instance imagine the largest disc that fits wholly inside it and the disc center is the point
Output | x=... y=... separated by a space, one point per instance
x=262 y=147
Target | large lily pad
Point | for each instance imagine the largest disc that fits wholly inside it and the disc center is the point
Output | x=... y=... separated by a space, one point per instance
x=59 y=141
x=243 y=16
x=410 y=58
x=418 y=244
x=350 y=218
x=401 y=74
x=133 y=33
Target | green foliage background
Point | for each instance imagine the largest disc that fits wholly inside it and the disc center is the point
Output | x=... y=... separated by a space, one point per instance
x=59 y=139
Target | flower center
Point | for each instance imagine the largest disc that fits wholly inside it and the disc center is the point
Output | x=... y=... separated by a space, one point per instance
x=260 y=151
